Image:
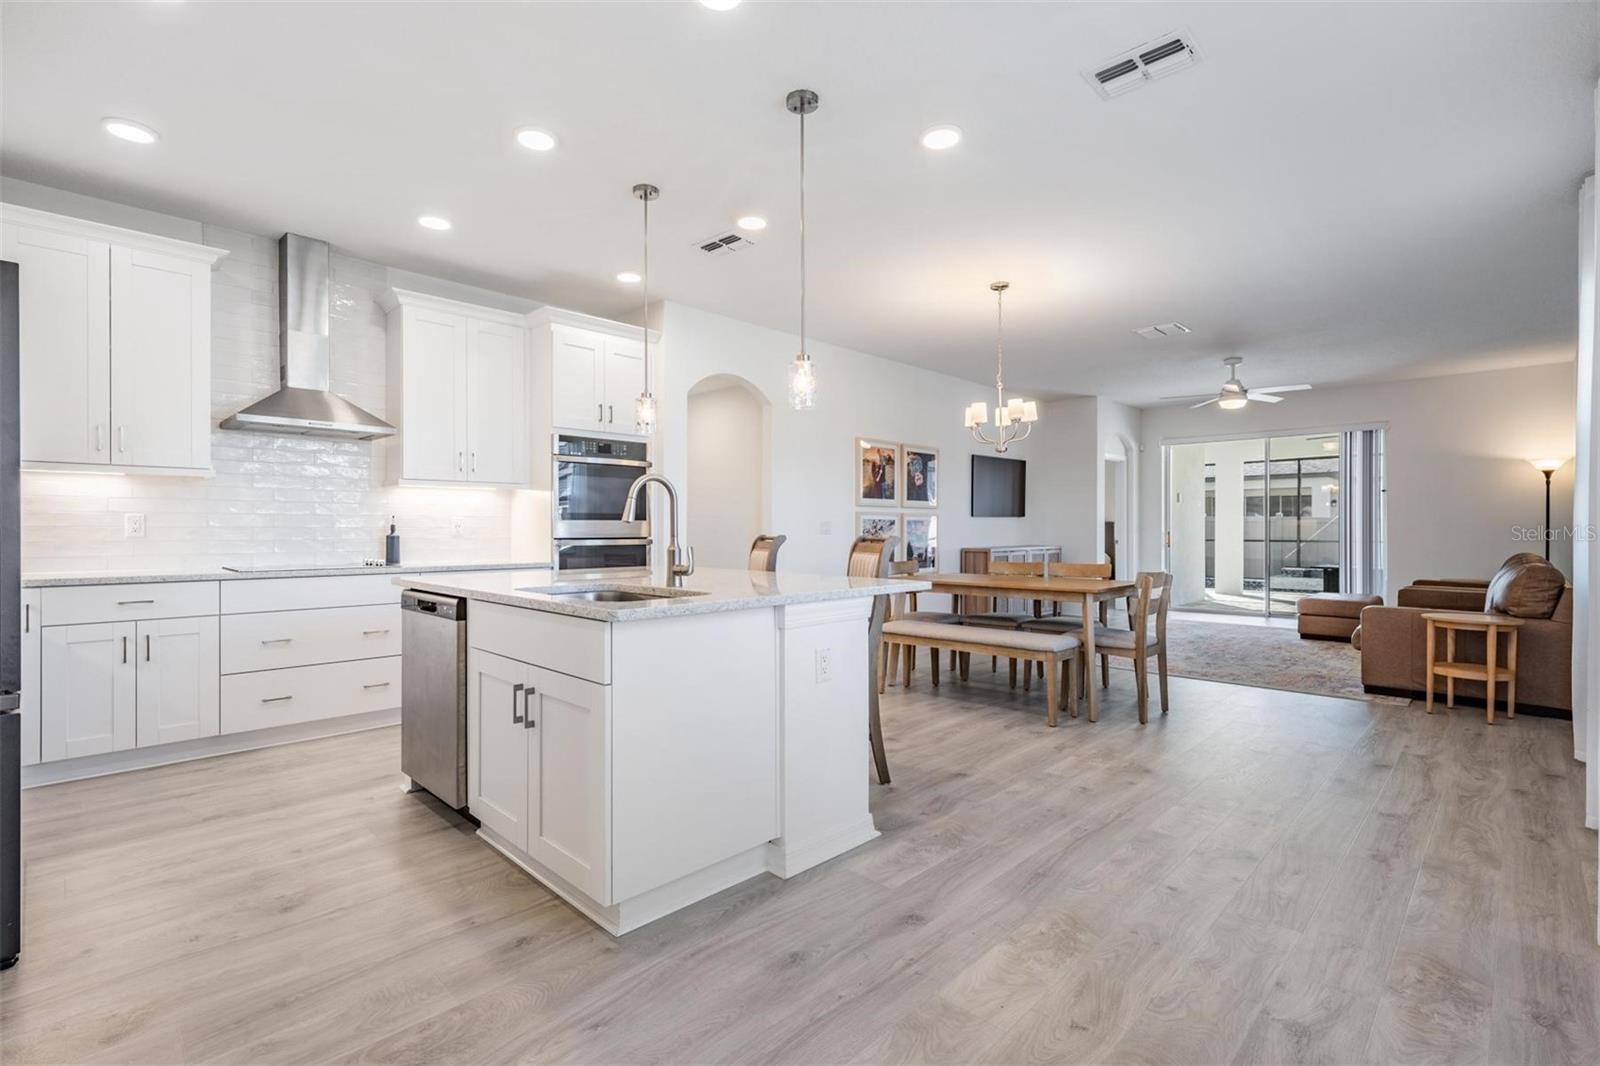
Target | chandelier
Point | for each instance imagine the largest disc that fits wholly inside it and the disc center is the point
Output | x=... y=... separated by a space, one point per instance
x=1014 y=418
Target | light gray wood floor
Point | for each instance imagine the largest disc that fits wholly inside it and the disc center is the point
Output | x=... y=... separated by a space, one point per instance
x=1260 y=877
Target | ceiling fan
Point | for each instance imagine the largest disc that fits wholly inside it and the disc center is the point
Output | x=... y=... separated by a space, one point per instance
x=1234 y=395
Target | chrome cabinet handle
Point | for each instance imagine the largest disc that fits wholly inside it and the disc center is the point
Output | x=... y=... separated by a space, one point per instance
x=147 y=647
x=599 y=412
x=27 y=618
x=377 y=684
x=124 y=649
x=276 y=699
x=474 y=462
x=373 y=632
x=99 y=437
x=133 y=603
x=611 y=413
x=460 y=461
x=516 y=694
x=277 y=640
x=527 y=708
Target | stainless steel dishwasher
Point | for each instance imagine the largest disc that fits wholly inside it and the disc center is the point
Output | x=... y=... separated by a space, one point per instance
x=433 y=694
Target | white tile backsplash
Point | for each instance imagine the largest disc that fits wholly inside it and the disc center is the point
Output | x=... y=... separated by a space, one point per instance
x=275 y=500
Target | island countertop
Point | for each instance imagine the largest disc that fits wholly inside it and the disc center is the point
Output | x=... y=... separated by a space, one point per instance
x=49 y=579
x=706 y=591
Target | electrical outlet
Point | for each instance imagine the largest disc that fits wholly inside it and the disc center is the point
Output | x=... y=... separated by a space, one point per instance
x=824 y=665
x=133 y=525
x=458 y=526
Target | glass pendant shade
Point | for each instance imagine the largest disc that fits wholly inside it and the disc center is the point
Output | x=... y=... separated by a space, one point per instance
x=802 y=383
x=644 y=413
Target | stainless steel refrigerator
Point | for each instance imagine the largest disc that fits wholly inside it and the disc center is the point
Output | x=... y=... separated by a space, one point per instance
x=10 y=631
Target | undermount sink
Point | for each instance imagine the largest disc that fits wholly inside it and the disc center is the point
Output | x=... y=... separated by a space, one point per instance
x=620 y=595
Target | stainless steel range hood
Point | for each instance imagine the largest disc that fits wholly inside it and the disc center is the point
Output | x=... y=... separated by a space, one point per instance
x=303 y=406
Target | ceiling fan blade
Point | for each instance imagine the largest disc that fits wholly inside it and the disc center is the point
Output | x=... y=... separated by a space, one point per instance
x=1202 y=403
x=1257 y=396
x=1280 y=388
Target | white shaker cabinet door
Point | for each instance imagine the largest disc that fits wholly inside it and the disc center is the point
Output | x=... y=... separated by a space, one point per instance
x=161 y=360
x=435 y=395
x=577 y=369
x=624 y=381
x=497 y=403
x=88 y=690
x=64 y=326
x=178 y=680
x=497 y=744
x=569 y=787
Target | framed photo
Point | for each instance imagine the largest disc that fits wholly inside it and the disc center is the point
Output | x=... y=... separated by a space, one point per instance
x=877 y=473
x=921 y=481
x=879 y=524
x=922 y=540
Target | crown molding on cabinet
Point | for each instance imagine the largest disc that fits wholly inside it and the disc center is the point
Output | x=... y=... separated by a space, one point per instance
x=556 y=316
x=394 y=298
x=128 y=238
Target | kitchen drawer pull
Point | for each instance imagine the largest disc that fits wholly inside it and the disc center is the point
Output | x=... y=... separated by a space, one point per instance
x=516 y=695
x=133 y=603
x=374 y=632
x=377 y=684
x=124 y=649
x=276 y=699
x=277 y=640
x=527 y=707
x=147 y=647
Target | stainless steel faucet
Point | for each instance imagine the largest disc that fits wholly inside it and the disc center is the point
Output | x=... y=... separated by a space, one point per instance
x=680 y=561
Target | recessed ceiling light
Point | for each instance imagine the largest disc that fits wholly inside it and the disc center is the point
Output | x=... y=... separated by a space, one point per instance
x=433 y=222
x=941 y=137
x=720 y=5
x=628 y=277
x=130 y=130
x=753 y=223
x=536 y=140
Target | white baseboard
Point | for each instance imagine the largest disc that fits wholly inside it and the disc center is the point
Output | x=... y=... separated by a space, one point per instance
x=787 y=859
x=116 y=762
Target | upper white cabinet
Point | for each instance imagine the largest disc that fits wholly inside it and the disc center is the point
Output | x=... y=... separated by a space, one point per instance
x=590 y=369
x=458 y=391
x=115 y=330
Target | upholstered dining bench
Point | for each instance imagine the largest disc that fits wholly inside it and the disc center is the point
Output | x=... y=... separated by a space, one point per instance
x=1058 y=652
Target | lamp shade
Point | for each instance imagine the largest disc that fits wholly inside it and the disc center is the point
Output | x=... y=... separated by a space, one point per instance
x=1548 y=466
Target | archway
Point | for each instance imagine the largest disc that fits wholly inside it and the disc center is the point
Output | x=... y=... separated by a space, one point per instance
x=728 y=494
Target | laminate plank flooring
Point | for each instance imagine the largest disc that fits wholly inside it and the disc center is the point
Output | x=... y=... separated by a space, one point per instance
x=1260 y=876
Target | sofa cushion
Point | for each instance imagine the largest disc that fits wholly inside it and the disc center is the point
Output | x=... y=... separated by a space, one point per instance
x=1525 y=590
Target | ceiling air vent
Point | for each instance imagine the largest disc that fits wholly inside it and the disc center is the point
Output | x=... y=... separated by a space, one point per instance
x=1165 y=329
x=1139 y=66
x=724 y=243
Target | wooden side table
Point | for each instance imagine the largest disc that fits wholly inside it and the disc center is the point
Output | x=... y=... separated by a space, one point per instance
x=1491 y=672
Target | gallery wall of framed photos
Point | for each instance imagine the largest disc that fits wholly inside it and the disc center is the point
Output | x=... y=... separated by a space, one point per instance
x=897 y=495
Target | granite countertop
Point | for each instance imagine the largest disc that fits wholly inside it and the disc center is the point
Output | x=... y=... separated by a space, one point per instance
x=706 y=591
x=132 y=577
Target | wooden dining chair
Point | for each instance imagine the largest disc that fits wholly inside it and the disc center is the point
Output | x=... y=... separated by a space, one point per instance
x=1146 y=636
x=764 y=551
x=872 y=557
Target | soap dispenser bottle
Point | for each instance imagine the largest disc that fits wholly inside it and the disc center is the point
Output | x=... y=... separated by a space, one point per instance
x=391 y=546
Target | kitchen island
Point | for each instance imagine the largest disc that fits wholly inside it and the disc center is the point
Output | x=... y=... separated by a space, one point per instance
x=637 y=747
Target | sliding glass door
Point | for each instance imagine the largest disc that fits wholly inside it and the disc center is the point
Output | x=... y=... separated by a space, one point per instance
x=1255 y=523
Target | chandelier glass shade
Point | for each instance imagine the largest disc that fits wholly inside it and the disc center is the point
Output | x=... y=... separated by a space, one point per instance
x=1013 y=418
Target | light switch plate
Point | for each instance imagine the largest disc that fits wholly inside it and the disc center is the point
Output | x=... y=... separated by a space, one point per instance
x=132 y=524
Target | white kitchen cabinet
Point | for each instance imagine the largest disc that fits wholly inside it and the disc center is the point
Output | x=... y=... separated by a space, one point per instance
x=577 y=371
x=115 y=331
x=587 y=372
x=569 y=789
x=89 y=690
x=497 y=748
x=64 y=327
x=458 y=392
x=30 y=676
x=624 y=381
x=177 y=680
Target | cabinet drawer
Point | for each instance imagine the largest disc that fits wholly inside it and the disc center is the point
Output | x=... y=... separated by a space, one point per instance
x=279 y=639
x=72 y=605
x=580 y=647
x=307 y=693
x=308 y=593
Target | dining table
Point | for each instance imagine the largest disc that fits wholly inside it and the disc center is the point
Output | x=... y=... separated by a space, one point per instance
x=1087 y=592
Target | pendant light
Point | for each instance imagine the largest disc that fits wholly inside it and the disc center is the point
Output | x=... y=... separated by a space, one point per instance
x=802 y=373
x=644 y=408
x=1014 y=418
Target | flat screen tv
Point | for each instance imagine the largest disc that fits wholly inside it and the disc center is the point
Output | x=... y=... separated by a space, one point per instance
x=999 y=487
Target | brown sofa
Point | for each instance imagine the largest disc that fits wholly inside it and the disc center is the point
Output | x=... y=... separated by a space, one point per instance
x=1393 y=643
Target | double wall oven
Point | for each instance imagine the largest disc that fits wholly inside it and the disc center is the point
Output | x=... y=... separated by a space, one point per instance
x=590 y=482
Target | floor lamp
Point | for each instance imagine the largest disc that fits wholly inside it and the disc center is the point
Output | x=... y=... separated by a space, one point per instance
x=1547 y=467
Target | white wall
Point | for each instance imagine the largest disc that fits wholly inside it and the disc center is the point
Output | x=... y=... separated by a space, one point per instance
x=275 y=499
x=1120 y=429
x=1459 y=484
x=813 y=474
x=725 y=487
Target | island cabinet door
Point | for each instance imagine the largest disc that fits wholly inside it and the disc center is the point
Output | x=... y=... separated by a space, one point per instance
x=569 y=787
x=498 y=745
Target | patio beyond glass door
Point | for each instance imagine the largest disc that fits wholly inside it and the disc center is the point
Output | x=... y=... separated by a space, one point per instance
x=1254 y=524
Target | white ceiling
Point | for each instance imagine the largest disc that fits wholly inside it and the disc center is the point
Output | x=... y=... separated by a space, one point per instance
x=1338 y=192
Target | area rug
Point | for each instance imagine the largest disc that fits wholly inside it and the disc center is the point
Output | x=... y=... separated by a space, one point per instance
x=1262 y=657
